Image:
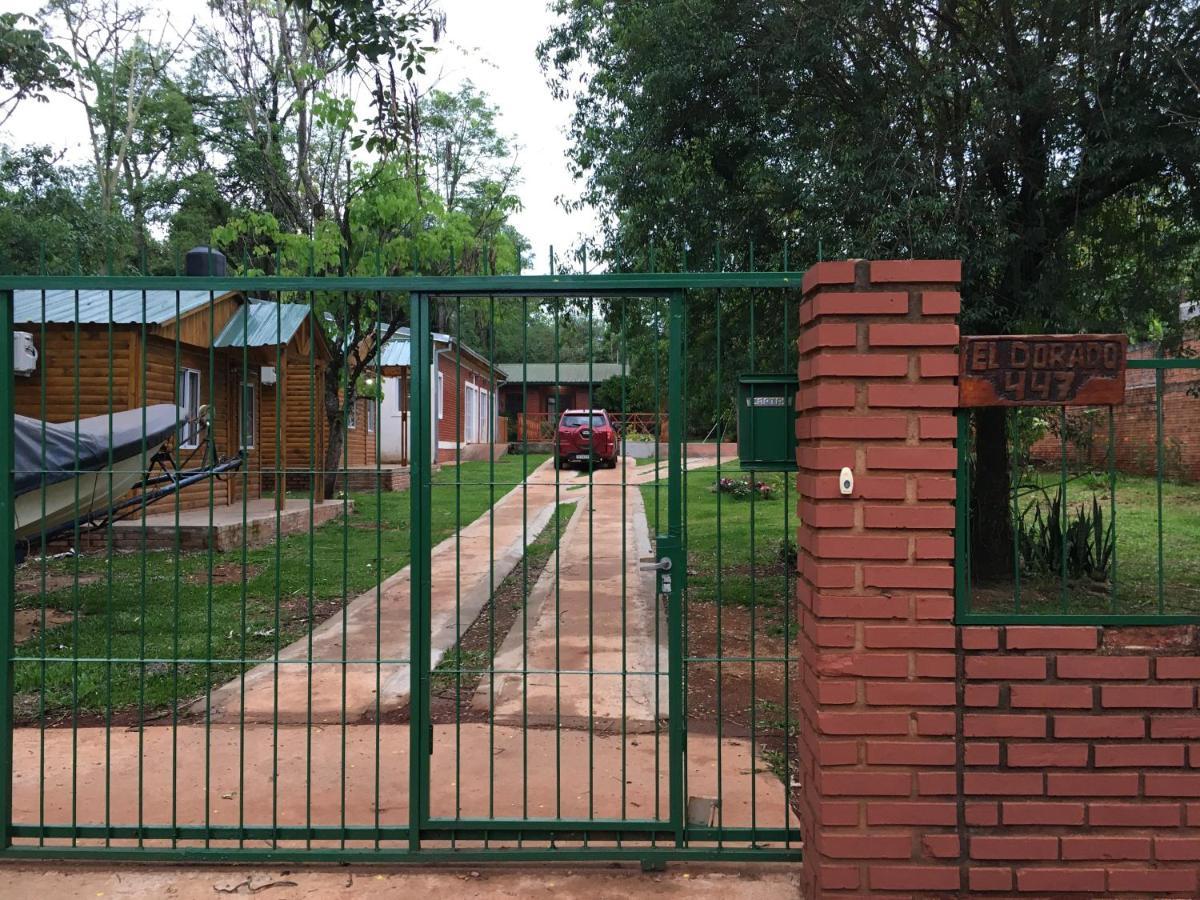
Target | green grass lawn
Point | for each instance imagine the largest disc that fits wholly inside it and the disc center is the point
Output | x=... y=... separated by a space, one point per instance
x=161 y=607
x=740 y=550
x=1137 y=554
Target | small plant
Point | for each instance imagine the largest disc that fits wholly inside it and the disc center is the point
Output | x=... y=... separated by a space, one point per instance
x=1043 y=538
x=743 y=489
x=786 y=552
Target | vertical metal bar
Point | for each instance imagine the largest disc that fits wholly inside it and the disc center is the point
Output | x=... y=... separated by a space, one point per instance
x=7 y=564
x=458 y=629
x=1158 y=478
x=658 y=337
x=788 y=366
x=1112 y=500
x=75 y=596
x=1063 y=513
x=175 y=621
x=720 y=581
x=108 y=604
x=753 y=597
x=246 y=440
x=420 y=584
x=350 y=409
x=676 y=735
x=622 y=358
x=208 y=617
x=43 y=567
x=962 y=518
x=316 y=488
x=591 y=615
x=1014 y=452
x=492 y=585
x=554 y=449
x=525 y=579
x=379 y=576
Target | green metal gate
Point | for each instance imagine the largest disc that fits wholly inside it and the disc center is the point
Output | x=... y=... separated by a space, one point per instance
x=568 y=671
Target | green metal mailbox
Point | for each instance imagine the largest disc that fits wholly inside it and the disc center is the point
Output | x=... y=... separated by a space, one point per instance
x=767 y=422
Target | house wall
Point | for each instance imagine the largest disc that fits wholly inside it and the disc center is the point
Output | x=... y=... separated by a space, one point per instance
x=83 y=359
x=538 y=397
x=450 y=427
x=1135 y=425
x=218 y=391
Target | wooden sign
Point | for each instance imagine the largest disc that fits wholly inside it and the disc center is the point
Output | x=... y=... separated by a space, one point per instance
x=1042 y=370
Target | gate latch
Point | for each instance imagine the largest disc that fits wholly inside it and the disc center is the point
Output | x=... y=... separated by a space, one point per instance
x=653 y=564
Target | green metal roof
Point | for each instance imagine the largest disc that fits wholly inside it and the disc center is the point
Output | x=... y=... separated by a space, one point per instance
x=568 y=373
x=262 y=324
x=99 y=307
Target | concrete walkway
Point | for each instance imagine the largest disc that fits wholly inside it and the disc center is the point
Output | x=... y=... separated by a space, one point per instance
x=592 y=636
x=375 y=626
x=327 y=775
x=33 y=881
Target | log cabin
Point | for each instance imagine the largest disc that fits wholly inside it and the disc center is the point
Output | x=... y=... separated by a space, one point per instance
x=536 y=393
x=258 y=365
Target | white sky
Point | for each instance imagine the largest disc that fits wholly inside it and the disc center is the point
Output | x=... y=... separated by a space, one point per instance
x=488 y=42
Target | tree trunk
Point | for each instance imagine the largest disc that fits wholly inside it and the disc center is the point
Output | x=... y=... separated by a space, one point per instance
x=335 y=418
x=991 y=522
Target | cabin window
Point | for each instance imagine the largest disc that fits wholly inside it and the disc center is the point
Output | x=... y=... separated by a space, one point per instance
x=352 y=417
x=482 y=432
x=249 y=411
x=470 y=422
x=187 y=397
x=441 y=395
x=371 y=411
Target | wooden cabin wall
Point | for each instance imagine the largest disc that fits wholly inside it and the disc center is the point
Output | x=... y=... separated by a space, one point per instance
x=92 y=353
x=161 y=387
x=302 y=396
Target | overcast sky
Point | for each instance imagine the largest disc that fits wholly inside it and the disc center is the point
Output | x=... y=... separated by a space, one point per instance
x=489 y=42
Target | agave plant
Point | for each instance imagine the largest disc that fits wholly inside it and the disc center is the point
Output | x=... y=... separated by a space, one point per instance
x=1047 y=529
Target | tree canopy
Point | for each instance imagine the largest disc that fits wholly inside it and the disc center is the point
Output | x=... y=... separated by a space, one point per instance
x=1053 y=146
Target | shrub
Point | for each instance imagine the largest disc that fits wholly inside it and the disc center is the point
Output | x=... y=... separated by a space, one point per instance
x=742 y=488
x=1088 y=542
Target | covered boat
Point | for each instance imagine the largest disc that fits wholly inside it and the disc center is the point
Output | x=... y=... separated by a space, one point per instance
x=65 y=472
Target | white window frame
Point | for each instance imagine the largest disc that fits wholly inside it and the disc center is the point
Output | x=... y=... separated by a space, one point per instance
x=485 y=409
x=470 y=413
x=249 y=384
x=352 y=417
x=371 y=411
x=441 y=395
x=187 y=397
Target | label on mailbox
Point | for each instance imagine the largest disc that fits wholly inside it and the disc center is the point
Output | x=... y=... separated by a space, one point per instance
x=770 y=401
x=1042 y=370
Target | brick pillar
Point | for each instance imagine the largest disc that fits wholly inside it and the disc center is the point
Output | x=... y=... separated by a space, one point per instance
x=878 y=362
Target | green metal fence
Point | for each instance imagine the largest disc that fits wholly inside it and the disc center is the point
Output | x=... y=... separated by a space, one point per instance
x=1101 y=522
x=235 y=630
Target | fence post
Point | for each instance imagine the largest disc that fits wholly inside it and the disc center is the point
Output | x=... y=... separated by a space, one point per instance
x=7 y=565
x=878 y=695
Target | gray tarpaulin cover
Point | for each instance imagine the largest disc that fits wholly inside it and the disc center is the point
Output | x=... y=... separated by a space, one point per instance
x=64 y=454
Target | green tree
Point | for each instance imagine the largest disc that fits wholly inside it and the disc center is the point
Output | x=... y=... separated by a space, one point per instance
x=30 y=65
x=1015 y=136
x=50 y=220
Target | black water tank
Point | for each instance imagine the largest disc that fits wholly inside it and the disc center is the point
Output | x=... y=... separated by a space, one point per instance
x=204 y=261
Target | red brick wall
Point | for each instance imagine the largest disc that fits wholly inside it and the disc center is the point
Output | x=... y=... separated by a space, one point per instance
x=1080 y=760
x=1020 y=760
x=1135 y=426
x=877 y=701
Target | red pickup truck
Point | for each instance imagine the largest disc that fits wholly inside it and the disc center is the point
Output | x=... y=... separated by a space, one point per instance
x=586 y=436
